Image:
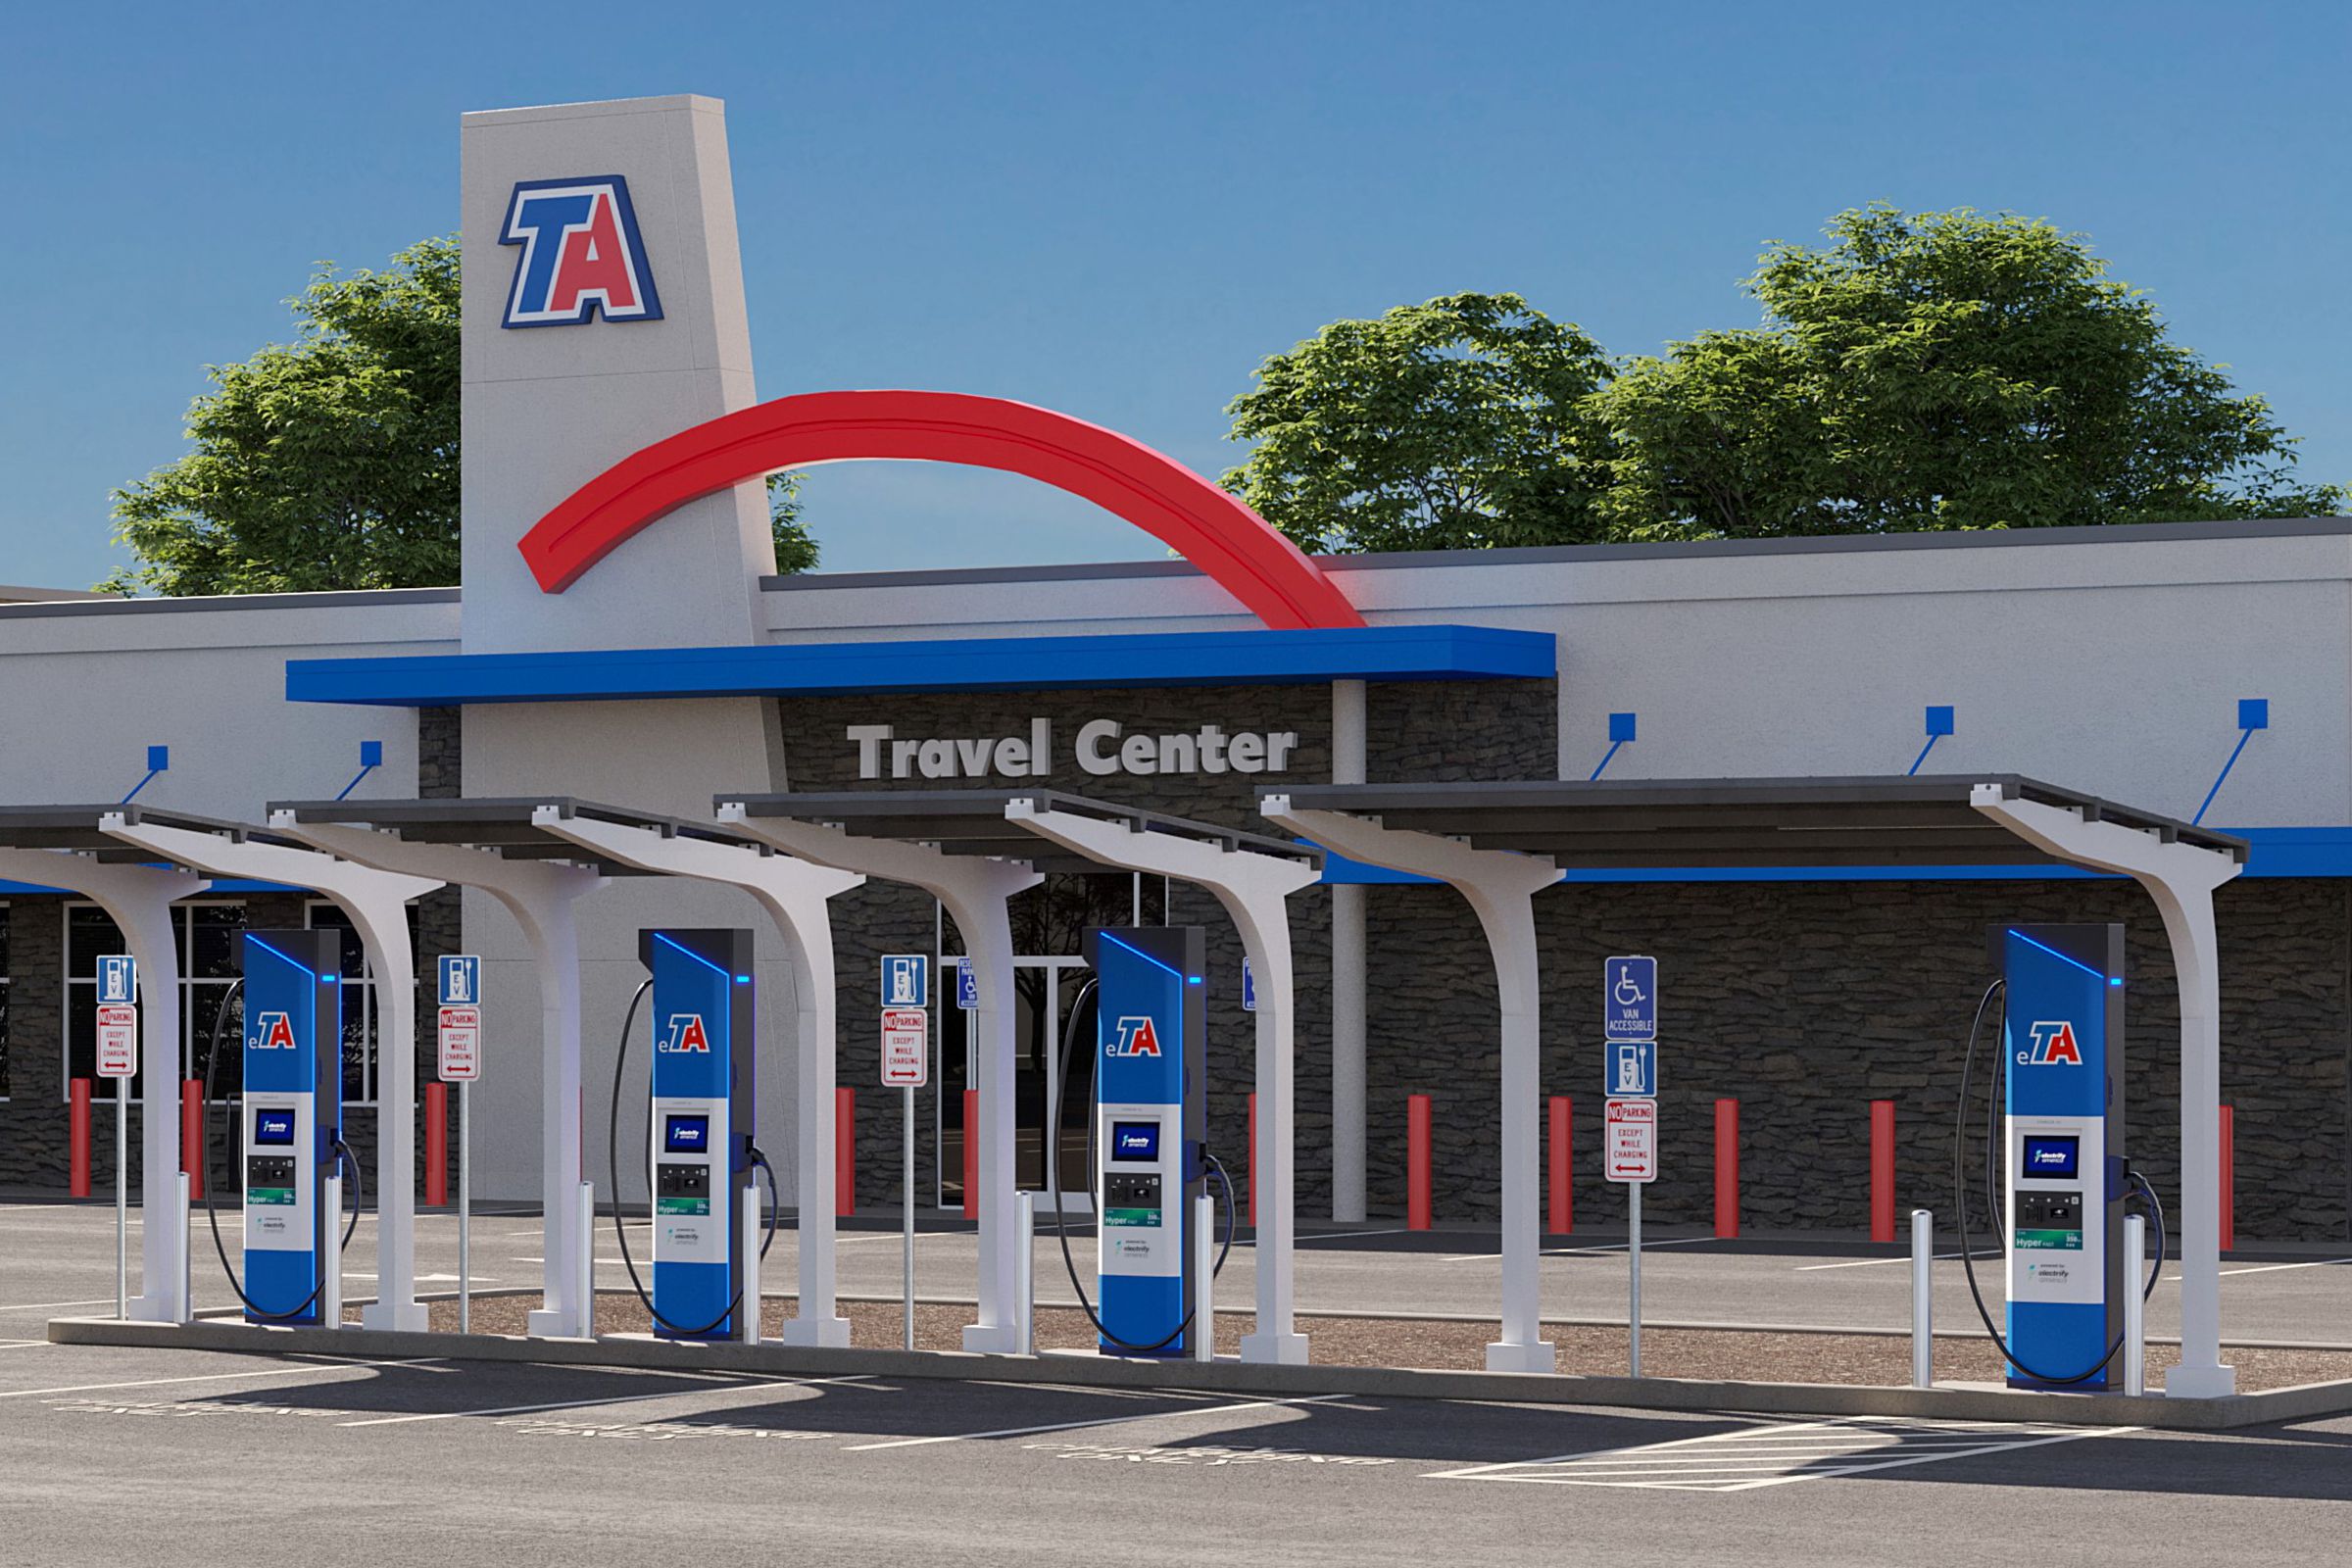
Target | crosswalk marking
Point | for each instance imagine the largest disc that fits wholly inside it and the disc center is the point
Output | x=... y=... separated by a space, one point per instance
x=1778 y=1454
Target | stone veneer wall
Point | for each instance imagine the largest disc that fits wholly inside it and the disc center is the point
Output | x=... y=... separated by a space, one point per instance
x=1806 y=1001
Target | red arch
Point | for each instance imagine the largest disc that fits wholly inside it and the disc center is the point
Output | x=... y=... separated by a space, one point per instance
x=1204 y=525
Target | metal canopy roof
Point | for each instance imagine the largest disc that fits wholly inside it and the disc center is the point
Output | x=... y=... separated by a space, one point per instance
x=972 y=823
x=75 y=827
x=503 y=825
x=1734 y=822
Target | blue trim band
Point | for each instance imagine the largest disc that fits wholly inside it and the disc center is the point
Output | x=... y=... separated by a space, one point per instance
x=946 y=664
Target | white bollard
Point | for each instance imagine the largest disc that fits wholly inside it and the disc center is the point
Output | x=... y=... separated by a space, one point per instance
x=585 y=1252
x=331 y=1285
x=180 y=1207
x=2136 y=1305
x=1204 y=1278
x=746 y=1314
x=1024 y=1270
x=1922 y=1299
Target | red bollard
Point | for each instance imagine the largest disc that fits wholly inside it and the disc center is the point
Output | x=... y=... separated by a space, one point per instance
x=1252 y=1163
x=1416 y=1162
x=2229 y=1178
x=191 y=1134
x=77 y=1136
x=845 y=1151
x=436 y=1146
x=971 y=1153
x=1727 y=1169
x=1881 y=1170
x=1563 y=1195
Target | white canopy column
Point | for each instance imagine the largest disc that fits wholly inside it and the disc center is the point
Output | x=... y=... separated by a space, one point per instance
x=376 y=904
x=1500 y=886
x=793 y=893
x=138 y=899
x=1254 y=888
x=539 y=895
x=974 y=889
x=2181 y=877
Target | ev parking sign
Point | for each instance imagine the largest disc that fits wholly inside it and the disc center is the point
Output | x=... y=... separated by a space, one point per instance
x=461 y=980
x=905 y=980
x=1633 y=1069
x=117 y=1016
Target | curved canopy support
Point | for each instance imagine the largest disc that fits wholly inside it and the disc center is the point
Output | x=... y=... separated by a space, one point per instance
x=1209 y=528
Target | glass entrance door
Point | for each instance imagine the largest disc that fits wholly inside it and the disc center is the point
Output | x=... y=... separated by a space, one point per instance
x=1047 y=985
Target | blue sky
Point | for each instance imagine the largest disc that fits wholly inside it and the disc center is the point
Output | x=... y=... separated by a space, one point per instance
x=1117 y=211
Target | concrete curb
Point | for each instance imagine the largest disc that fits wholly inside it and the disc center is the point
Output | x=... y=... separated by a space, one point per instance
x=1234 y=1377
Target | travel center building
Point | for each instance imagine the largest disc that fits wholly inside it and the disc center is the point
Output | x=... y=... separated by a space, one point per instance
x=665 y=664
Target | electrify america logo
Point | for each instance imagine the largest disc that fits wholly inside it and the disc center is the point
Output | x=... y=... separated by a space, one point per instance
x=582 y=253
x=1137 y=1037
x=2052 y=1043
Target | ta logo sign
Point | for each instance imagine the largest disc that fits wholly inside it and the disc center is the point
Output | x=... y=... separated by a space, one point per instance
x=274 y=1032
x=686 y=1034
x=1136 y=1038
x=582 y=253
x=2052 y=1043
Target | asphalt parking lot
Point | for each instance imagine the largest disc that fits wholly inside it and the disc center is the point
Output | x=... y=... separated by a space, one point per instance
x=262 y=1459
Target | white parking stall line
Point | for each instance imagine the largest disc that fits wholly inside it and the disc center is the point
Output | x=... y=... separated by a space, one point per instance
x=1873 y=1263
x=1777 y=1454
x=214 y=1377
x=1584 y=1251
x=2273 y=1269
x=46 y=1306
x=1095 y=1421
x=639 y=1397
x=1349 y=1236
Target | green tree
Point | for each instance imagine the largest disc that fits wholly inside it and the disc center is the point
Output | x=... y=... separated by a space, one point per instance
x=1939 y=371
x=328 y=462
x=1455 y=424
x=796 y=546
x=334 y=461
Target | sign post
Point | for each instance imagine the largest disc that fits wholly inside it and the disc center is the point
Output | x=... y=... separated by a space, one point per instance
x=118 y=1059
x=1629 y=1010
x=906 y=1066
x=1629 y=1155
x=461 y=1063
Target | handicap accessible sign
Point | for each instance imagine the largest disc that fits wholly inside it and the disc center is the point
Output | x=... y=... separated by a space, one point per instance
x=1630 y=998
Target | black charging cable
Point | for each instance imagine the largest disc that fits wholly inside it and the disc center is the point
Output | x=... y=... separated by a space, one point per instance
x=1960 y=1200
x=775 y=1199
x=204 y=1144
x=1052 y=1140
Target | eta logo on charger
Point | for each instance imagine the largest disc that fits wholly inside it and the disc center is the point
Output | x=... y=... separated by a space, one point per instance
x=276 y=1032
x=686 y=1033
x=2052 y=1044
x=1137 y=1038
x=582 y=253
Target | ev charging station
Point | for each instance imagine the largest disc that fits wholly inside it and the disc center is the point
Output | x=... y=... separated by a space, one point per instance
x=1147 y=1131
x=2062 y=1133
x=702 y=1131
x=291 y=1121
